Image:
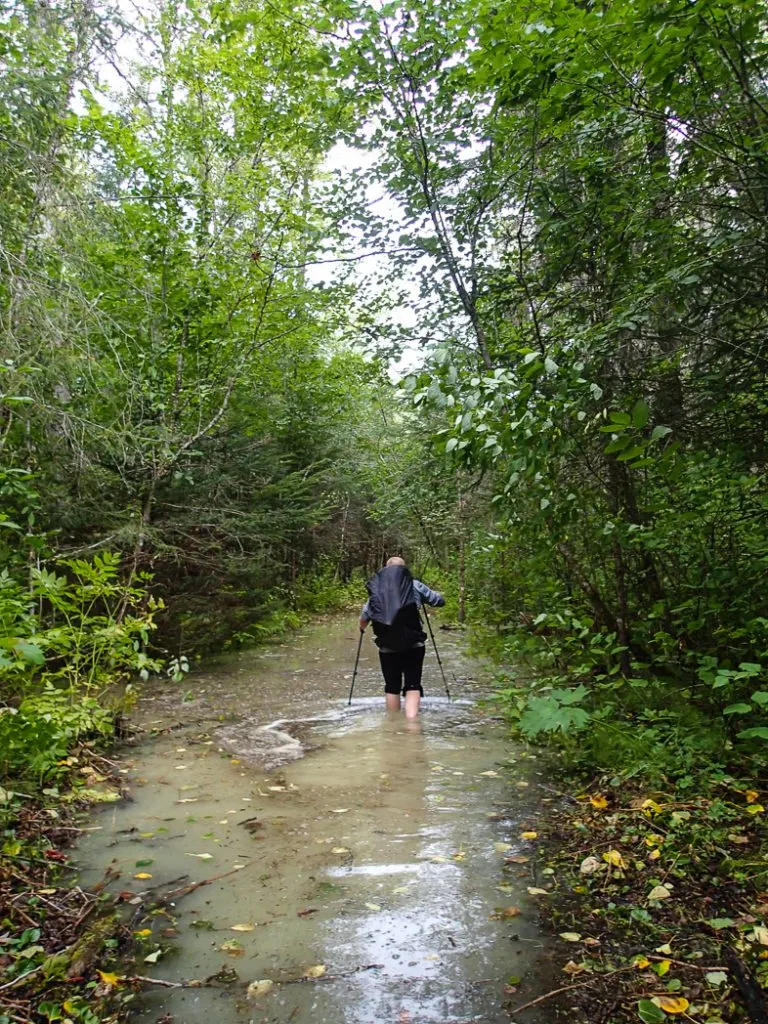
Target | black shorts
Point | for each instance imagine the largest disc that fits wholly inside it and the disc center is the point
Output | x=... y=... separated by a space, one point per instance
x=402 y=670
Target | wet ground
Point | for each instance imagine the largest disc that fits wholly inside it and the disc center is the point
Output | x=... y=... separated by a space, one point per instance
x=364 y=856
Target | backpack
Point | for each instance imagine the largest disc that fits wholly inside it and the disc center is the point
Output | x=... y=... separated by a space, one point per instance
x=393 y=610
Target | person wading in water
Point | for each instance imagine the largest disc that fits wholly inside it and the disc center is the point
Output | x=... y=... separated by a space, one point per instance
x=394 y=599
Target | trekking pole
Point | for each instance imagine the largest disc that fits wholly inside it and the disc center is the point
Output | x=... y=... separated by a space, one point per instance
x=357 y=662
x=439 y=662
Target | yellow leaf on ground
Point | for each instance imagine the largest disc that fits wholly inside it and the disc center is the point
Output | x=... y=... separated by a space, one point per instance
x=641 y=962
x=108 y=977
x=659 y=892
x=654 y=839
x=651 y=807
x=760 y=934
x=529 y=835
x=143 y=933
x=666 y=949
x=570 y=936
x=598 y=802
x=340 y=849
x=671 y=1004
x=755 y=809
x=654 y=855
x=615 y=859
x=751 y=795
x=662 y=968
x=317 y=971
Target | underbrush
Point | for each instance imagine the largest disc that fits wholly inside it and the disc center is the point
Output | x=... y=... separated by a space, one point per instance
x=661 y=851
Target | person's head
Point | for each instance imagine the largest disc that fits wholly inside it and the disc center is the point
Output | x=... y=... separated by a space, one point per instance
x=395 y=560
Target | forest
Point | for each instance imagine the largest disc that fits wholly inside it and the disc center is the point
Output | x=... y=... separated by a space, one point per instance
x=287 y=289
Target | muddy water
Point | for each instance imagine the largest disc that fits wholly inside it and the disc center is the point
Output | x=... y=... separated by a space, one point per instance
x=353 y=842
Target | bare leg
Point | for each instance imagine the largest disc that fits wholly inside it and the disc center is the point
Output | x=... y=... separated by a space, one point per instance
x=412 y=701
x=393 y=701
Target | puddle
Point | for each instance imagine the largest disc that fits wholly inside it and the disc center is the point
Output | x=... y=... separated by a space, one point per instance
x=374 y=848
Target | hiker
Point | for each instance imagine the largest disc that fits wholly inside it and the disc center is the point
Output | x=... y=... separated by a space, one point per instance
x=394 y=599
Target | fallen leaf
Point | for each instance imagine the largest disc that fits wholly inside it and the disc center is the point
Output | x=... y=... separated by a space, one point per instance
x=201 y=856
x=317 y=971
x=641 y=962
x=654 y=839
x=529 y=835
x=142 y=875
x=739 y=840
x=143 y=933
x=654 y=855
x=259 y=988
x=510 y=912
x=502 y=847
x=373 y=906
x=400 y=889
x=490 y=774
x=439 y=859
x=108 y=977
x=716 y=978
x=751 y=795
x=516 y=858
x=666 y=949
x=340 y=849
x=432 y=956
x=760 y=934
x=589 y=866
x=243 y=927
x=671 y=1004
x=232 y=946
x=663 y=967
x=153 y=957
x=755 y=809
x=534 y=891
x=570 y=936
x=340 y=810
x=615 y=859
x=598 y=802
x=659 y=892
x=573 y=968
x=651 y=807
x=591 y=941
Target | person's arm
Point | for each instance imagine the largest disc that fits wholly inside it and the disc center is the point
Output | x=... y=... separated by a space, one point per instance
x=364 y=620
x=428 y=596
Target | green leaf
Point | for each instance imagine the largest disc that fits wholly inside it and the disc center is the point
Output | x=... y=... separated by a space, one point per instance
x=659 y=432
x=737 y=709
x=760 y=697
x=622 y=418
x=650 y=1013
x=760 y=732
x=640 y=414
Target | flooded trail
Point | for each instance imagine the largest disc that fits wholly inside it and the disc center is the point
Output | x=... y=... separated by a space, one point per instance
x=360 y=848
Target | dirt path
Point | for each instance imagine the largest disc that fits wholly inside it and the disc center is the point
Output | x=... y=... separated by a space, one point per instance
x=369 y=852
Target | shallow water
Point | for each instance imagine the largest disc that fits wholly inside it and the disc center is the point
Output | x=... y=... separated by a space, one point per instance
x=375 y=849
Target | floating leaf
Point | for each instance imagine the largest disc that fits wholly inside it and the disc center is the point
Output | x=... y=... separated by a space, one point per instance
x=142 y=875
x=516 y=858
x=340 y=810
x=233 y=947
x=570 y=936
x=259 y=988
x=243 y=927
x=143 y=863
x=534 y=891
x=439 y=859
x=108 y=977
x=490 y=774
x=317 y=971
x=340 y=849
x=510 y=912
x=201 y=856
x=671 y=1004
x=502 y=847
x=373 y=906
x=153 y=957
x=529 y=835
